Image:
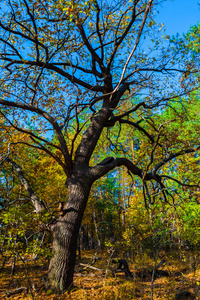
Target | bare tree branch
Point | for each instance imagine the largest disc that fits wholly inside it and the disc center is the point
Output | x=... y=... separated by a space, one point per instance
x=51 y=66
x=52 y=121
x=172 y=156
x=136 y=44
x=179 y=182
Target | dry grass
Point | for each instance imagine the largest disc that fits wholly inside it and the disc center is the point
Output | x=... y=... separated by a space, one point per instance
x=92 y=285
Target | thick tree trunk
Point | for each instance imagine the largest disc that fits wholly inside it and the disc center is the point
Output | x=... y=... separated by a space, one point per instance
x=65 y=234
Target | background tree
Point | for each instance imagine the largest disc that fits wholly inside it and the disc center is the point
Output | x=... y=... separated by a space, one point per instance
x=76 y=68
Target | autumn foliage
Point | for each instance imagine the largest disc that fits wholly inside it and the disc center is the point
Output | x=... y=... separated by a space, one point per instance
x=99 y=150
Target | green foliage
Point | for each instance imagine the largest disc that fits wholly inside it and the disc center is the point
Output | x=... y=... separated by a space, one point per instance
x=193 y=38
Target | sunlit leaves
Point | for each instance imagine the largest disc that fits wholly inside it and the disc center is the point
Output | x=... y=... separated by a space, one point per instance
x=193 y=38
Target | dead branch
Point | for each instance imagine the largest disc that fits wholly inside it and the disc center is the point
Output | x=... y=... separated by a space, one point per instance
x=90 y=267
x=16 y=291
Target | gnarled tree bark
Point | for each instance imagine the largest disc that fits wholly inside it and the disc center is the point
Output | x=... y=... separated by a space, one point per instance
x=65 y=233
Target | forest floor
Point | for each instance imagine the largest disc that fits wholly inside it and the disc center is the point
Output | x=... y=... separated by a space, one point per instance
x=179 y=278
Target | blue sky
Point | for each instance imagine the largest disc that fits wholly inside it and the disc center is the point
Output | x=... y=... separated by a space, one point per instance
x=179 y=15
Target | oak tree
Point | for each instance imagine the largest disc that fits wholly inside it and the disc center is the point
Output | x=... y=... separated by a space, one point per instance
x=71 y=70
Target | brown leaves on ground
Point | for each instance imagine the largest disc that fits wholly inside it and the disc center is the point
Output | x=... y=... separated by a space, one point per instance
x=182 y=283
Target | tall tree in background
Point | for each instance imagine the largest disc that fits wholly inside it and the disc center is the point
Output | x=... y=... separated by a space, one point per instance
x=76 y=68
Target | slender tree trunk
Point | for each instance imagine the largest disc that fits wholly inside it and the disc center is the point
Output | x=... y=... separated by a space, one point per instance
x=65 y=234
x=99 y=246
